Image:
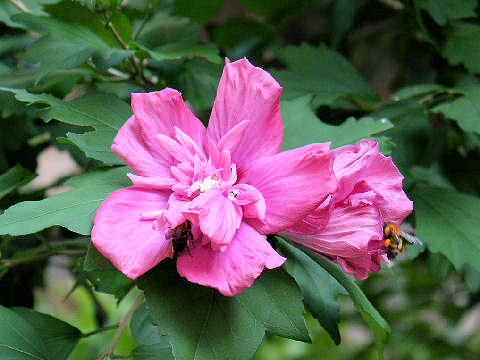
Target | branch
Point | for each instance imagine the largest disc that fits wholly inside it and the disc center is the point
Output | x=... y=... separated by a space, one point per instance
x=9 y=263
x=122 y=324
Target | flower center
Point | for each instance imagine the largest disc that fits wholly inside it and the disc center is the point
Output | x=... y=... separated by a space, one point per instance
x=208 y=183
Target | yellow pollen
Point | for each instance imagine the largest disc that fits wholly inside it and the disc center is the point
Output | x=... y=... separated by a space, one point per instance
x=208 y=183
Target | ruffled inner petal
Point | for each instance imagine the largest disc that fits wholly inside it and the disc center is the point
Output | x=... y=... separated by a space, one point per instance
x=234 y=269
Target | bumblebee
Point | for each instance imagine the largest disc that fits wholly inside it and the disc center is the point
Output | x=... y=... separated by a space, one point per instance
x=181 y=237
x=394 y=238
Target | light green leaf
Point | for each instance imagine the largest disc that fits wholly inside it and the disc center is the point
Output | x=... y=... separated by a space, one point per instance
x=462 y=46
x=59 y=336
x=104 y=276
x=67 y=45
x=8 y=9
x=19 y=340
x=415 y=90
x=13 y=178
x=320 y=71
x=372 y=317
x=465 y=110
x=174 y=51
x=319 y=288
x=73 y=209
x=301 y=126
x=84 y=112
x=447 y=222
x=276 y=301
x=200 y=322
x=442 y=10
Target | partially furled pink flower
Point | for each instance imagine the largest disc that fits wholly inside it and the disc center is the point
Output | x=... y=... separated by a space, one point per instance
x=348 y=227
x=214 y=191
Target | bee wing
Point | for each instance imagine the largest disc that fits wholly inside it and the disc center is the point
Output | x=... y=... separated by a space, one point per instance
x=411 y=239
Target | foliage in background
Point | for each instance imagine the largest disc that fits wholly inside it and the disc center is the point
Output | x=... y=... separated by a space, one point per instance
x=404 y=72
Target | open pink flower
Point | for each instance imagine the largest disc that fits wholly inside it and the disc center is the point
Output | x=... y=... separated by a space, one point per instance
x=229 y=181
x=348 y=227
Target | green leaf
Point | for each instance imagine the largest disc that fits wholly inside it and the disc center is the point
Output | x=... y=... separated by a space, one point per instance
x=319 y=288
x=104 y=276
x=372 y=317
x=447 y=222
x=301 y=126
x=144 y=332
x=67 y=45
x=8 y=9
x=199 y=322
x=198 y=10
x=465 y=110
x=14 y=178
x=199 y=81
x=415 y=90
x=174 y=51
x=442 y=10
x=73 y=209
x=84 y=112
x=462 y=46
x=275 y=300
x=320 y=71
x=411 y=133
x=59 y=336
x=19 y=340
x=159 y=351
x=152 y=345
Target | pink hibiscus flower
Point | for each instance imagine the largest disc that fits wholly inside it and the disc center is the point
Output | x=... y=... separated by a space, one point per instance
x=227 y=183
x=348 y=227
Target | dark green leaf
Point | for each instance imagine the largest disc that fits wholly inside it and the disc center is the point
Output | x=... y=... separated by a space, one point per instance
x=372 y=317
x=462 y=45
x=159 y=351
x=198 y=10
x=411 y=133
x=447 y=222
x=465 y=110
x=319 y=288
x=301 y=126
x=13 y=178
x=276 y=301
x=199 y=83
x=59 y=336
x=19 y=340
x=104 y=276
x=142 y=329
x=84 y=112
x=8 y=9
x=73 y=209
x=442 y=10
x=199 y=322
x=320 y=71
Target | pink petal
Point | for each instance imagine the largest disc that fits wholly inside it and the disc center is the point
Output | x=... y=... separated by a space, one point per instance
x=121 y=235
x=383 y=176
x=352 y=238
x=293 y=183
x=154 y=182
x=155 y=113
x=131 y=146
x=234 y=269
x=363 y=163
x=218 y=217
x=249 y=93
